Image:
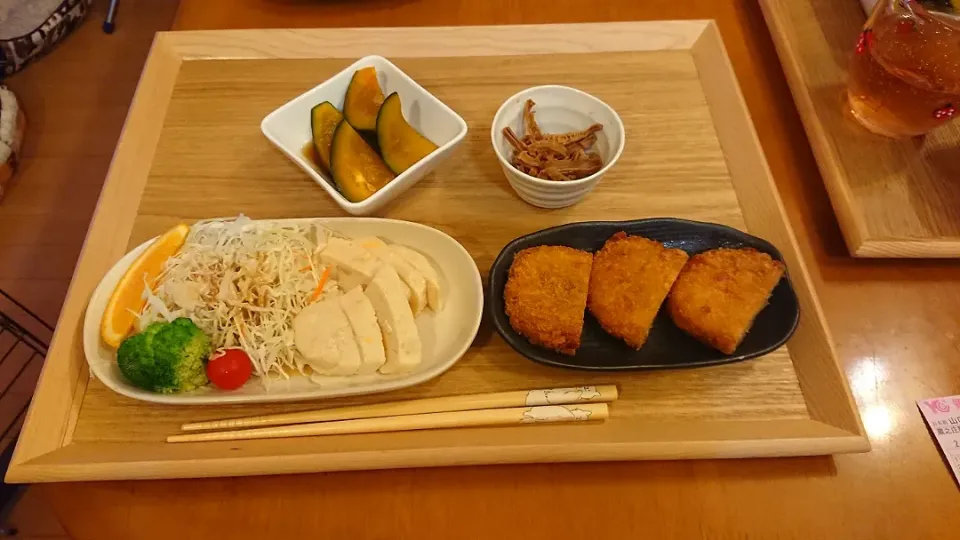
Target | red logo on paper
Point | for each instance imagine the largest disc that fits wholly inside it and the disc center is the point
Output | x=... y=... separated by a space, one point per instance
x=946 y=112
x=938 y=406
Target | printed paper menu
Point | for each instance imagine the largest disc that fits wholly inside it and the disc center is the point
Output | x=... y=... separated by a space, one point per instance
x=943 y=416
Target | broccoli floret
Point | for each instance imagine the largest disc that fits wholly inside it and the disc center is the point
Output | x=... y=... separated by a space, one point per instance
x=166 y=357
x=135 y=356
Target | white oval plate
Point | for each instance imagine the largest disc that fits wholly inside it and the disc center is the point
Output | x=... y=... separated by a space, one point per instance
x=446 y=335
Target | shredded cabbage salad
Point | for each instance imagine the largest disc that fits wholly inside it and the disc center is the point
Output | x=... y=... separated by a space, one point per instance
x=243 y=282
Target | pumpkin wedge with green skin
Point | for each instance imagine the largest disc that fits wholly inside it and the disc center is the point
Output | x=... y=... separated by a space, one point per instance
x=363 y=100
x=356 y=168
x=400 y=145
x=324 y=119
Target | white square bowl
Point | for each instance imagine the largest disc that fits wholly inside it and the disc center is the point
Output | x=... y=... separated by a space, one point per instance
x=288 y=128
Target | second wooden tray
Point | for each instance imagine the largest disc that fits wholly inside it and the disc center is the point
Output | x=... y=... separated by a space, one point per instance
x=191 y=149
x=893 y=198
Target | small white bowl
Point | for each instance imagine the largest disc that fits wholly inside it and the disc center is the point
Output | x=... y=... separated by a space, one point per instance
x=288 y=128
x=558 y=109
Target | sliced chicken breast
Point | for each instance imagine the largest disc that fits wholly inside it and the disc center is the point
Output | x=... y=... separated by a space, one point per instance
x=411 y=277
x=322 y=334
x=363 y=321
x=354 y=264
x=400 y=334
x=435 y=295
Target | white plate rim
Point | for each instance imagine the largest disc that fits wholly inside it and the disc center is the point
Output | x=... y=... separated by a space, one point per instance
x=100 y=296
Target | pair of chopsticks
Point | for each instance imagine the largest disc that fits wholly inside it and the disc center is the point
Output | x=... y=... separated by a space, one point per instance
x=523 y=407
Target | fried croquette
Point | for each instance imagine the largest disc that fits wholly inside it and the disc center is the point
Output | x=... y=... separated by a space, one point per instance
x=720 y=292
x=631 y=276
x=546 y=294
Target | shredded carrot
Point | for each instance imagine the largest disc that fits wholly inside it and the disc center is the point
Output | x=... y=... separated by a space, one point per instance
x=323 y=281
x=306 y=258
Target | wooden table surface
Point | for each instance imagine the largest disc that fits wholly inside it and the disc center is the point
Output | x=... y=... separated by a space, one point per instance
x=895 y=324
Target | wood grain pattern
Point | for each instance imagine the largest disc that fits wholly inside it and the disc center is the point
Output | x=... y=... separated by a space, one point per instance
x=894 y=324
x=71 y=137
x=763 y=210
x=762 y=390
x=893 y=198
x=210 y=160
x=61 y=378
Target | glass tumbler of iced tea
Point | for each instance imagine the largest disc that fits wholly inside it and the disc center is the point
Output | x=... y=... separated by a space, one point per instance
x=905 y=70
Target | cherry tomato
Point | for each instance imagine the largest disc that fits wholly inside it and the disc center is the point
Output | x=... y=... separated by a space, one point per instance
x=229 y=369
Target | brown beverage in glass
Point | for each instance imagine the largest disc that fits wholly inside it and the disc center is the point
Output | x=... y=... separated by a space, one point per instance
x=905 y=70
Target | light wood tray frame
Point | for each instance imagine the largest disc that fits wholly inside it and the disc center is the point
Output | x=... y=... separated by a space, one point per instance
x=893 y=198
x=697 y=158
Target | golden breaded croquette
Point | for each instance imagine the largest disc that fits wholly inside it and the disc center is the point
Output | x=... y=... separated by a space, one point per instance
x=631 y=276
x=546 y=294
x=720 y=292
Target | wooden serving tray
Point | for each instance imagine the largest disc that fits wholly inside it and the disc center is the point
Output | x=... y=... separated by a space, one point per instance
x=192 y=149
x=893 y=198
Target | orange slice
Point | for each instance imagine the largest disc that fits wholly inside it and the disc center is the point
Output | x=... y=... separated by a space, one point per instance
x=127 y=299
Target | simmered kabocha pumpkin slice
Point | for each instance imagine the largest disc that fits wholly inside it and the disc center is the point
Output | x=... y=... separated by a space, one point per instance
x=324 y=119
x=356 y=168
x=363 y=100
x=400 y=145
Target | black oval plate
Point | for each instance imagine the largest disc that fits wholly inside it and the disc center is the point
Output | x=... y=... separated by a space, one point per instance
x=667 y=346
